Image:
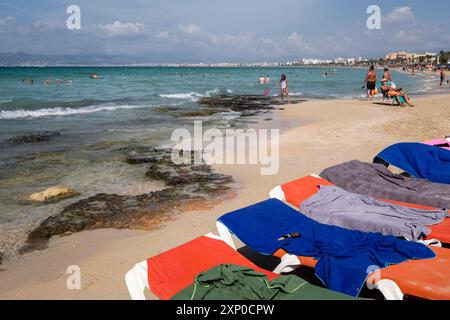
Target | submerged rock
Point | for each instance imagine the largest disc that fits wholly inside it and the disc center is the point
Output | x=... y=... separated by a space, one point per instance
x=172 y=174
x=246 y=105
x=198 y=113
x=34 y=137
x=239 y=102
x=188 y=185
x=53 y=194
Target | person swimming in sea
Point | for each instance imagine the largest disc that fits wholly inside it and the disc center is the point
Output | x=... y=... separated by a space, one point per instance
x=94 y=76
x=284 y=87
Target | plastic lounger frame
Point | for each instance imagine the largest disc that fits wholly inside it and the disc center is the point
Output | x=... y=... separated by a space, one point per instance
x=137 y=279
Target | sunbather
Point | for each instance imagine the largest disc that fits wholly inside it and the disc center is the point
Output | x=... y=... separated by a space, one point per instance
x=406 y=98
x=389 y=91
x=399 y=95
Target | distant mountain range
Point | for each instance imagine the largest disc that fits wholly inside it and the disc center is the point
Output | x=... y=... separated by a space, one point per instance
x=11 y=59
x=25 y=59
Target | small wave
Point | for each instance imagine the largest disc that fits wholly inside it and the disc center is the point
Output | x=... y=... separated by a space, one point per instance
x=230 y=91
x=51 y=112
x=130 y=130
x=5 y=101
x=345 y=97
x=193 y=96
x=296 y=94
x=211 y=92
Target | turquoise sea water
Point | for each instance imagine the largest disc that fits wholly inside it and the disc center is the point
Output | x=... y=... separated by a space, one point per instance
x=124 y=88
x=98 y=117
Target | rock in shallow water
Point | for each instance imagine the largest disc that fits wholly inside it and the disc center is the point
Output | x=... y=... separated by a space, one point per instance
x=33 y=137
x=53 y=194
x=188 y=185
x=245 y=104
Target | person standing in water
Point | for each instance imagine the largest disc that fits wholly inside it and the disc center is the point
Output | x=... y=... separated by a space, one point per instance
x=371 y=82
x=442 y=76
x=262 y=80
x=284 y=87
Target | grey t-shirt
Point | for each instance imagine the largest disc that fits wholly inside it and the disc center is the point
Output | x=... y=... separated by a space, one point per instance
x=335 y=206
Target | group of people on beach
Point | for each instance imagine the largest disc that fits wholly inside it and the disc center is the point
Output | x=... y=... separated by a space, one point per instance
x=282 y=85
x=388 y=87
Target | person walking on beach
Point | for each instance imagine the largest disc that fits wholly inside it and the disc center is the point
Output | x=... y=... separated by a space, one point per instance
x=442 y=76
x=371 y=82
x=284 y=87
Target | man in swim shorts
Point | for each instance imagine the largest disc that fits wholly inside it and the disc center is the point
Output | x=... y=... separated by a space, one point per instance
x=371 y=82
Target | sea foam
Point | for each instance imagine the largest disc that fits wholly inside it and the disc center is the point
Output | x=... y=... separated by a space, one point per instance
x=193 y=96
x=52 y=112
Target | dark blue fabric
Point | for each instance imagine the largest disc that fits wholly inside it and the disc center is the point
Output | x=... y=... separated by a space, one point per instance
x=343 y=255
x=419 y=160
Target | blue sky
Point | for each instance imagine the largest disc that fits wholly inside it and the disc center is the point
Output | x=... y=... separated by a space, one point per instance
x=223 y=31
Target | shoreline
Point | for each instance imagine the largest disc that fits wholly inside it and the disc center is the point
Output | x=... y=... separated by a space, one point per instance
x=312 y=138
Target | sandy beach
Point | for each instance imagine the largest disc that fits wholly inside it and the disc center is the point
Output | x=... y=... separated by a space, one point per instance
x=314 y=135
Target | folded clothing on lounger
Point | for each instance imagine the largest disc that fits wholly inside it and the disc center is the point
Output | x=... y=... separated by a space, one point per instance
x=419 y=160
x=232 y=282
x=377 y=181
x=334 y=206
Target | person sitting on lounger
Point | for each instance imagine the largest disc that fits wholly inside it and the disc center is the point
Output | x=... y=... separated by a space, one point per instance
x=405 y=97
x=388 y=90
x=387 y=74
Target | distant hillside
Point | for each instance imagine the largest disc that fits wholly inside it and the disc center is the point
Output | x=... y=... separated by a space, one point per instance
x=25 y=59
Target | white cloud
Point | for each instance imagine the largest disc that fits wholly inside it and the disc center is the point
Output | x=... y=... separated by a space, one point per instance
x=46 y=25
x=295 y=39
x=190 y=30
x=400 y=14
x=122 y=29
x=404 y=36
x=163 y=35
x=7 y=21
x=193 y=37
